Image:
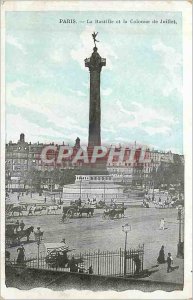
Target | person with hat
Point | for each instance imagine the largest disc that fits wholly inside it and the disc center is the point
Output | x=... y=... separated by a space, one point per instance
x=169 y=262
x=22 y=225
x=21 y=254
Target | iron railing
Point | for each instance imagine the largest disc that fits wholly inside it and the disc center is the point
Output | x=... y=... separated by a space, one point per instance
x=107 y=263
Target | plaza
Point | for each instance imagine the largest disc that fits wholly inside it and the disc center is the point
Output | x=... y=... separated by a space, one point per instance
x=83 y=234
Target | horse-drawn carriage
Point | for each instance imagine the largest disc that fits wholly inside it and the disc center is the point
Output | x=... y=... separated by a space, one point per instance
x=14 y=237
x=57 y=257
x=12 y=208
x=114 y=212
x=100 y=205
x=76 y=210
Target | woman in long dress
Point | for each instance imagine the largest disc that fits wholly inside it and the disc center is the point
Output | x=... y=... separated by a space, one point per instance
x=21 y=255
x=162 y=224
x=161 y=257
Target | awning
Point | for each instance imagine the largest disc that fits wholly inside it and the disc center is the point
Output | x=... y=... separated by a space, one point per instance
x=55 y=246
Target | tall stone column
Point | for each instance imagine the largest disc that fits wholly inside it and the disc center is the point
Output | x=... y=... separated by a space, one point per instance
x=95 y=64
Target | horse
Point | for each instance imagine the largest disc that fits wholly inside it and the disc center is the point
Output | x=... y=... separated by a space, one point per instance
x=8 y=208
x=114 y=213
x=34 y=209
x=53 y=208
x=121 y=211
x=88 y=210
x=159 y=205
x=109 y=214
x=17 y=209
x=100 y=204
x=24 y=206
x=25 y=233
x=20 y=234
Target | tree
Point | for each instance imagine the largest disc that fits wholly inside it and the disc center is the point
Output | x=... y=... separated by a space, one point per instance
x=33 y=179
x=172 y=173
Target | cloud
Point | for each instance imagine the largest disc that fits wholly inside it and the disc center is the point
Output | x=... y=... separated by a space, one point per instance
x=106 y=92
x=11 y=87
x=155 y=130
x=139 y=117
x=64 y=114
x=58 y=55
x=77 y=93
x=14 y=42
x=111 y=129
x=172 y=62
x=30 y=129
x=85 y=47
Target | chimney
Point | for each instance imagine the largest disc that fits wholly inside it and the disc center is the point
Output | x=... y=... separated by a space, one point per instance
x=22 y=138
x=77 y=142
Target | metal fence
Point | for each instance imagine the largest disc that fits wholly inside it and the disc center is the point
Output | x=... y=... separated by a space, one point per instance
x=107 y=263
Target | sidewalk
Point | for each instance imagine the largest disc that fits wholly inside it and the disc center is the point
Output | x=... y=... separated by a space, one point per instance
x=160 y=274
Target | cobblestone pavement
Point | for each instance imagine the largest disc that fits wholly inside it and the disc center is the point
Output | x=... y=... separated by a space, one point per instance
x=96 y=233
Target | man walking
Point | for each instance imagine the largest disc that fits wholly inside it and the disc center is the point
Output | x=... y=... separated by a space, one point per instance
x=169 y=262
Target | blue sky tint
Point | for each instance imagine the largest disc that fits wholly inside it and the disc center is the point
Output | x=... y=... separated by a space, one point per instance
x=47 y=85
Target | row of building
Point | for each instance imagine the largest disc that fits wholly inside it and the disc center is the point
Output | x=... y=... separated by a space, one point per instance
x=22 y=156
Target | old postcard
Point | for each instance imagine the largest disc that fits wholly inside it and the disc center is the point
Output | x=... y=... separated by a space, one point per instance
x=96 y=191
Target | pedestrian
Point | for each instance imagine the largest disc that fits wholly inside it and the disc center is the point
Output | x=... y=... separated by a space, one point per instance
x=30 y=212
x=17 y=226
x=21 y=254
x=161 y=257
x=88 y=202
x=38 y=231
x=137 y=261
x=79 y=202
x=81 y=268
x=73 y=265
x=45 y=200
x=22 y=225
x=169 y=262
x=162 y=224
x=7 y=258
x=90 y=270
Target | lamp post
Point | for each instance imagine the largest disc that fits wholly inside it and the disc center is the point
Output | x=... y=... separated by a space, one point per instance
x=180 y=247
x=104 y=188
x=125 y=228
x=38 y=238
x=80 y=187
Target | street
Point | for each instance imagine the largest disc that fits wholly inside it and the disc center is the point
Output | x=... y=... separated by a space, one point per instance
x=94 y=233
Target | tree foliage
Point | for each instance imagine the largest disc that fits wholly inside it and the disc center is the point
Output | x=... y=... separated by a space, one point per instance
x=170 y=174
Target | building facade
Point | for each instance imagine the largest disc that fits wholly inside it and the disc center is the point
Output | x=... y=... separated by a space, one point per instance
x=22 y=157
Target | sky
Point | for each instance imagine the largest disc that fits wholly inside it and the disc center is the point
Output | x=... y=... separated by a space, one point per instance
x=47 y=84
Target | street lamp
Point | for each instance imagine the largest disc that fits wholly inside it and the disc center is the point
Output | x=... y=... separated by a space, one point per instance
x=38 y=238
x=180 y=247
x=104 y=188
x=80 y=187
x=125 y=228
